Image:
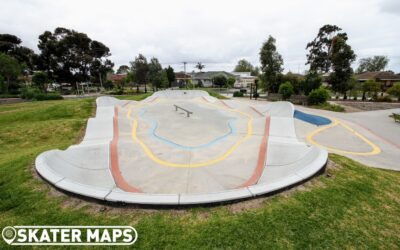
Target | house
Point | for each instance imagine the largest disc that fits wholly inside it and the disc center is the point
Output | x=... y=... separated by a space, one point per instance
x=117 y=77
x=387 y=78
x=205 y=78
x=244 y=79
x=181 y=78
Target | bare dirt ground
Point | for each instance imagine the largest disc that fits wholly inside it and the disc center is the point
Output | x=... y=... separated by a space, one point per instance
x=354 y=106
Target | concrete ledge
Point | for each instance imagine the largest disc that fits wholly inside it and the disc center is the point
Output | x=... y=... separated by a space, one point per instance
x=235 y=194
x=118 y=195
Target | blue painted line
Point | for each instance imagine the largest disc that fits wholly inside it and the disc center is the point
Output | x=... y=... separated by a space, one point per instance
x=152 y=133
x=313 y=119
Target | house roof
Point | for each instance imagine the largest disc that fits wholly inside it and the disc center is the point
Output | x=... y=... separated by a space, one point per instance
x=381 y=75
x=211 y=74
x=117 y=77
x=181 y=75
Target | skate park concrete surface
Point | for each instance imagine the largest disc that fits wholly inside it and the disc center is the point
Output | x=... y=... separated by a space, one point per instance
x=181 y=147
x=369 y=137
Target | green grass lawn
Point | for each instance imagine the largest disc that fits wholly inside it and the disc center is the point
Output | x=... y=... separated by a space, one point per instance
x=354 y=207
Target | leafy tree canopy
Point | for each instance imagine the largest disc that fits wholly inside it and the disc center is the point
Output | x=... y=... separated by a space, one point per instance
x=375 y=63
x=170 y=75
x=10 y=69
x=271 y=64
x=11 y=45
x=320 y=48
x=245 y=66
x=341 y=57
x=123 y=69
x=220 y=80
x=70 y=56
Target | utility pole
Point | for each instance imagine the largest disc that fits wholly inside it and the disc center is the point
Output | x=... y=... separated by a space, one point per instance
x=184 y=70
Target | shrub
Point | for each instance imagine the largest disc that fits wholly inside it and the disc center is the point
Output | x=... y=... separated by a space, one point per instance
x=35 y=94
x=29 y=93
x=286 y=90
x=237 y=94
x=383 y=99
x=395 y=90
x=49 y=96
x=256 y=95
x=244 y=91
x=318 y=96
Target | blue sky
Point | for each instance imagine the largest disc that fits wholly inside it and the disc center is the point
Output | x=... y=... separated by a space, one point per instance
x=217 y=33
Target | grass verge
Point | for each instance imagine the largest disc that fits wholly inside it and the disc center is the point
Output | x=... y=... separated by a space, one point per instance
x=329 y=106
x=352 y=207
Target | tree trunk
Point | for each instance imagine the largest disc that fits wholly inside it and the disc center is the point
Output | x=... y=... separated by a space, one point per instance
x=363 y=96
x=7 y=86
x=145 y=88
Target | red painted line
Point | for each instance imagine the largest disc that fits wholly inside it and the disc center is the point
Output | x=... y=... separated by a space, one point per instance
x=226 y=105
x=154 y=99
x=115 y=171
x=205 y=99
x=378 y=136
x=126 y=104
x=258 y=112
x=261 y=156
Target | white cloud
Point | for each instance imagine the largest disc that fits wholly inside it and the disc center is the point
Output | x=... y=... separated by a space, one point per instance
x=217 y=33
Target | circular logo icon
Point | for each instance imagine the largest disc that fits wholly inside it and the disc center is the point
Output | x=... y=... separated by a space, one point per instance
x=9 y=234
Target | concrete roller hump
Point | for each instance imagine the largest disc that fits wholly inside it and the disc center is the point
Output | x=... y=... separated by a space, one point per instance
x=182 y=147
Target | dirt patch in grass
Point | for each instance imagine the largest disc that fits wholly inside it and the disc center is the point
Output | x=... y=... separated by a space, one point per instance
x=355 y=106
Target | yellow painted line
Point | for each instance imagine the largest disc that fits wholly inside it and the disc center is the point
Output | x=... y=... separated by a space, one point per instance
x=374 y=148
x=222 y=157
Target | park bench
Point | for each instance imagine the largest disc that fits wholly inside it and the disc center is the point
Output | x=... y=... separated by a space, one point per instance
x=396 y=117
x=188 y=113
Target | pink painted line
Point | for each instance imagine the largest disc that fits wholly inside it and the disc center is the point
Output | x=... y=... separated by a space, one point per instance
x=226 y=105
x=262 y=153
x=115 y=171
x=255 y=110
x=154 y=99
x=378 y=136
x=126 y=104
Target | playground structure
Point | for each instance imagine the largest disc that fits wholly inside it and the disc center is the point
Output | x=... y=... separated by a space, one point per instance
x=183 y=147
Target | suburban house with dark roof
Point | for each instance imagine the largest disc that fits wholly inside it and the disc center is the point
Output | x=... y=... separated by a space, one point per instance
x=205 y=78
x=180 y=78
x=117 y=77
x=387 y=78
x=244 y=79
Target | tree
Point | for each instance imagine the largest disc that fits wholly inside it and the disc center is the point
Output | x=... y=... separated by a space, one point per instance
x=10 y=69
x=170 y=75
x=370 y=87
x=296 y=80
x=245 y=66
x=155 y=69
x=200 y=66
x=395 y=90
x=376 y=63
x=40 y=79
x=160 y=80
x=220 y=80
x=231 y=81
x=11 y=45
x=123 y=69
x=318 y=96
x=286 y=90
x=140 y=69
x=320 y=48
x=312 y=81
x=271 y=64
x=70 y=56
x=341 y=57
